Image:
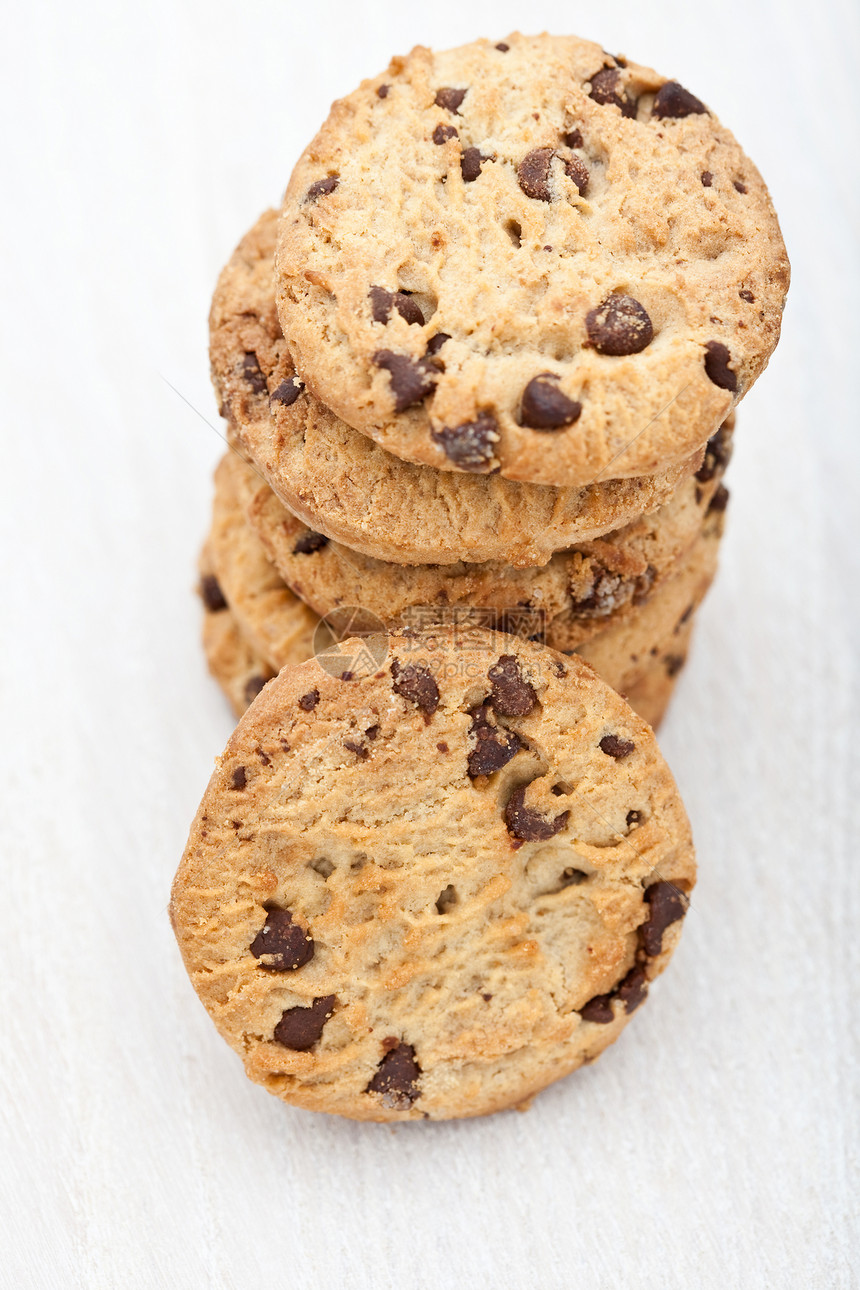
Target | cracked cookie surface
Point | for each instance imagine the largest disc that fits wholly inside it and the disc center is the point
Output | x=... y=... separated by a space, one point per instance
x=535 y=258
x=430 y=888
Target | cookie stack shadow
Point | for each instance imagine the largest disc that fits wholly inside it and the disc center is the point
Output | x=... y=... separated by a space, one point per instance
x=318 y=533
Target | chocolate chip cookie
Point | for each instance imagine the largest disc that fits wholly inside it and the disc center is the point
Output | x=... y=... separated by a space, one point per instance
x=275 y=622
x=657 y=632
x=617 y=642
x=429 y=889
x=589 y=582
x=640 y=653
x=529 y=257
x=343 y=485
x=233 y=662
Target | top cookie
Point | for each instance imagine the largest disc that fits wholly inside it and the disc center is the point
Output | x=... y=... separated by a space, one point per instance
x=529 y=257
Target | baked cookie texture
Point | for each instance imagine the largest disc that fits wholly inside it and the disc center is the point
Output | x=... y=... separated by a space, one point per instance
x=276 y=623
x=589 y=581
x=241 y=673
x=529 y=257
x=619 y=643
x=429 y=889
x=239 y=670
x=232 y=660
x=342 y=484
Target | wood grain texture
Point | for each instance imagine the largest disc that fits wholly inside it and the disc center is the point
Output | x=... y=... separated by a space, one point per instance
x=716 y=1146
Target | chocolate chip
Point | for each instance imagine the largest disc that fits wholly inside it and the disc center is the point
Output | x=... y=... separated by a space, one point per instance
x=309 y=701
x=211 y=593
x=253 y=686
x=443 y=133
x=494 y=746
x=741 y=188
x=470 y=164
x=436 y=342
x=707 y=178
x=252 y=373
x=449 y=99
x=642 y=585
x=673 y=664
x=605 y=90
x=287 y=392
x=578 y=172
x=672 y=100
x=470 y=445
x=545 y=406
x=529 y=825
x=609 y=590
x=397 y=1078
x=382 y=92
x=633 y=817
x=447 y=898
x=718 y=453
x=383 y=302
x=322 y=187
x=533 y=174
x=412 y=379
x=443 y=747
x=747 y=296
x=598 y=1009
x=239 y=778
x=347 y=676
x=633 y=989
x=720 y=499
x=284 y=944
x=512 y=696
x=372 y=732
x=717 y=359
x=668 y=904
x=615 y=746
x=416 y=683
x=619 y=325
x=357 y=747
x=300 y=1028
x=310 y=542
x=502 y=47
x=573 y=139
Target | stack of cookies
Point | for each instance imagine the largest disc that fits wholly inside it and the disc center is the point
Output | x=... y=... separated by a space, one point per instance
x=479 y=376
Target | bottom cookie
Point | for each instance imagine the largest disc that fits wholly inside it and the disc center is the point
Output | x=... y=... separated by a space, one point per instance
x=428 y=889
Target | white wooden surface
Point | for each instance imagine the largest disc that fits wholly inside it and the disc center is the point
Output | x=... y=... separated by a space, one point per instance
x=716 y=1145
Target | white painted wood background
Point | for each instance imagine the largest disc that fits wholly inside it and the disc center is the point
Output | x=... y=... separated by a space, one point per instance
x=716 y=1145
